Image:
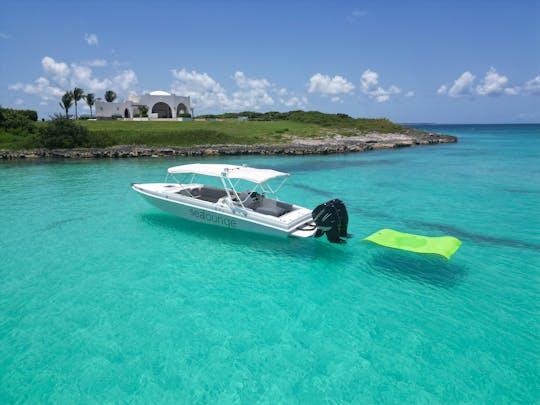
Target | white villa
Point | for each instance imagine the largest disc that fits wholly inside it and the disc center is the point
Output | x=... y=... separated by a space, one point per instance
x=160 y=104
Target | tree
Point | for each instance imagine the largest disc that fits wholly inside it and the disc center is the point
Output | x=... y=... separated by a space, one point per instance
x=19 y=122
x=143 y=110
x=90 y=101
x=78 y=94
x=67 y=102
x=110 y=96
x=62 y=133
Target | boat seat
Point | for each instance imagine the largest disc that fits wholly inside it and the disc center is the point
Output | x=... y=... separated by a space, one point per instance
x=273 y=211
x=270 y=207
x=286 y=206
x=212 y=194
x=189 y=193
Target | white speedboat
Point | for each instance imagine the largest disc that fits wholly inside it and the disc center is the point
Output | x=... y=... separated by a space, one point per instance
x=255 y=209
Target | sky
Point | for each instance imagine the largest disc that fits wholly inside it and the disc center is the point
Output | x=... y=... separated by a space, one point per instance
x=409 y=61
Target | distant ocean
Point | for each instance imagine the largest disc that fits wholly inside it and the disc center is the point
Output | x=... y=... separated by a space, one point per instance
x=105 y=299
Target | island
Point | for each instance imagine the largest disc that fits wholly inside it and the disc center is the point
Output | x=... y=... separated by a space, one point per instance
x=245 y=133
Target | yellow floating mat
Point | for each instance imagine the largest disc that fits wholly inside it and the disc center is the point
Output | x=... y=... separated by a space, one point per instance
x=445 y=246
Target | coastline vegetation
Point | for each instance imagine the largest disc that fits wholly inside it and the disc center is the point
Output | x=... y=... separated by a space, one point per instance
x=19 y=129
x=382 y=125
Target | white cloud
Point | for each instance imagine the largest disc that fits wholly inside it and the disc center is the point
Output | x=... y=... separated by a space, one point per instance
x=82 y=77
x=253 y=93
x=125 y=81
x=409 y=94
x=249 y=94
x=96 y=63
x=19 y=101
x=462 y=86
x=512 y=91
x=290 y=99
x=493 y=84
x=91 y=39
x=295 y=102
x=59 y=77
x=204 y=91
x=40 y=87
x=198 y=81
x=370 y=86
x=3 y=35
x=533 y=86
x=327 y=85
x=59 y=71
x=442 y=90
x=250 y=99
x=244 y=82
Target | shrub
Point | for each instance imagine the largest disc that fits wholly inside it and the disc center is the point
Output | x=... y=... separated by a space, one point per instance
x=185 y=115
x=31 y=114
x=17 y=122
x=19 y=125
x=28 y=114
x=363 y=125
x=116 y=117
x=62 y=133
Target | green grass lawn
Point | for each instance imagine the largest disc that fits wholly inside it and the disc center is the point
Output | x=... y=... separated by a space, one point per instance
x=229 y=131
x=179 y=133
x=13 y=141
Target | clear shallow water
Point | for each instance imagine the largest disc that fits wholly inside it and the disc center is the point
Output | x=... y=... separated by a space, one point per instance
x=104 y=298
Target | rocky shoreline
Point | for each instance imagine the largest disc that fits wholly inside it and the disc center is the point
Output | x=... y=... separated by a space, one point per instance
x=303 y=146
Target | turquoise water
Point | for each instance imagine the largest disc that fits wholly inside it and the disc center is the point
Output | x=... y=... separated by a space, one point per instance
x=105 y=299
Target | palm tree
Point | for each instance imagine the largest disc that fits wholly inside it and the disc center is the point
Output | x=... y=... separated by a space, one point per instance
x=90 y=101
x=110 y=96
x=78 y=94
x=67 y=102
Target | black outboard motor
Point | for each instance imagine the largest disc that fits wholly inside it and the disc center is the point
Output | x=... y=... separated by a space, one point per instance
x=332 y=218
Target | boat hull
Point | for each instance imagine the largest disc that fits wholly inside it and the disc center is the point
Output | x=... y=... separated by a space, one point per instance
x=218 y=216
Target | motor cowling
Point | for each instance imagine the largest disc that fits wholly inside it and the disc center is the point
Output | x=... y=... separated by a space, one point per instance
x=332 y=219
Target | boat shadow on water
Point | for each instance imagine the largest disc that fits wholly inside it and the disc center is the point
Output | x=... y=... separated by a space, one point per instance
x=296 y=248
x=429 y=269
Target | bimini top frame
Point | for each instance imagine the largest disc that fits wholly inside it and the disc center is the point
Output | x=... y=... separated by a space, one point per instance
x=251 y=174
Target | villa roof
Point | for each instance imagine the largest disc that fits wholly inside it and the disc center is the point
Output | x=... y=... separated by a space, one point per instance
x=159 y=93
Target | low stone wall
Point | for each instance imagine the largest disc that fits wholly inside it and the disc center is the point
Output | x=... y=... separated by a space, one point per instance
x=337 y=144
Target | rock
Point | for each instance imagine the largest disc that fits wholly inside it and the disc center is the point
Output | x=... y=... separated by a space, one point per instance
x=296 y=147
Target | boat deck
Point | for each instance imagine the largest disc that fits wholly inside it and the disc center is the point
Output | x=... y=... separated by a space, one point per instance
x=251 y=201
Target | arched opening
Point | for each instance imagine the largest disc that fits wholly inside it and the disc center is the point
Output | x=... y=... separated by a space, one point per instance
x=126 y=113
x=181 y=109
x=162 y=110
